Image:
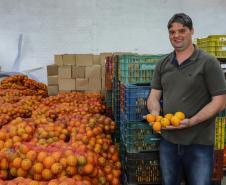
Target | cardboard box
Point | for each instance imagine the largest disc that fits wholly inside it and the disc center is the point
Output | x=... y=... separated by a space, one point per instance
x=64 y=71
x=58 y=60
x=53 y=90
x=84 y=59
x=96 y=59
x=102 y=84
x=69 y=59
x=66 y=84
x=78 y=71
x=52 y=80
x=82 y=84
x=93 y=71
x=94 y=84
x=103 y=72
x=103 y=56
x=52 y=70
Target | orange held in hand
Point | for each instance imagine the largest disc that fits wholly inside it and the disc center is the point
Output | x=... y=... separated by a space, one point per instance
x=168 y=116
x=180 y=115
x=158 y=118
x=175 y=121
x=150 y=118
x=156 y=126
x=165 y=122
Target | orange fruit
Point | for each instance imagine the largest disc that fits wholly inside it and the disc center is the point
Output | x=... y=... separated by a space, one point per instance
x=17 y=162
x=53 y=182
x=37 y=167
x=168 y=116
x=41 y=156
x=88 y=168
x=71 y=170
x=158 y=118
x=26 y=164
x=180 y=115
x=3 y=174
x=150 y=118
x=3 y=135
x=56 y=168
x=1 y=144
x=47 y=174
x=4 y=164
x=156 y=126
x=37 y=176
x=13 y=171
x=31 y=155
x=8 y=143
x=56 y=155
x=68 y=152
x=175 y=121
x=23 y=149
x=71 y=160
x=33 y=183
x=48 y=161
x=63 y=161
x=21 y=172
x=165 y=122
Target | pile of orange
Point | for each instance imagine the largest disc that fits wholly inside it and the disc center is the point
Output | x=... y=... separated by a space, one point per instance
x=157 y=122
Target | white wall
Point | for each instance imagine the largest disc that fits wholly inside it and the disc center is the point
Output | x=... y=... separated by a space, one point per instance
x=94 y=26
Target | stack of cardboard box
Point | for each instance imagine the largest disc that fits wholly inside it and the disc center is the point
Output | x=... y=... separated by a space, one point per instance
x=52 y=72
x=81 y=72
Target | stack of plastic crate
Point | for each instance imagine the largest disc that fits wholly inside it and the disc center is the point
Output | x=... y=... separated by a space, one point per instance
x=139 y=144
x=219 y=147
x=108 y=85
x=214 y=44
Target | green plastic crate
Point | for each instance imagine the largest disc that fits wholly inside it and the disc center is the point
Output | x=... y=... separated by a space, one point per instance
x=137 y=68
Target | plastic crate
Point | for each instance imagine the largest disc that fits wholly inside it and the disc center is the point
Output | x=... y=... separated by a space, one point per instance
x=134 y=101
x=108 y=98
x=136 y=68
x=115 y=66
x=139 y=137
x=116 y=138
x=218 y=165
x=219 y=133
x=109 y=73
x=116 y=100
x=142 y=168
x=214 y=45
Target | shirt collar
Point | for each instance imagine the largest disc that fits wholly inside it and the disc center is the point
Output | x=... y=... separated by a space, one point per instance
x=193 y=57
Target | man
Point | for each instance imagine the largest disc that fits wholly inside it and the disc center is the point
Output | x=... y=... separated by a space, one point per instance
x=190 y=81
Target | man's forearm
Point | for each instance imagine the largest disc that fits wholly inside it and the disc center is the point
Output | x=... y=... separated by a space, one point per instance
x=154 y=106
x=208 y=111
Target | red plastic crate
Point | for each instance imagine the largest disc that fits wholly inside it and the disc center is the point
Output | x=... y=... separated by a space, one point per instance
x=218 y=165
x=109 y=73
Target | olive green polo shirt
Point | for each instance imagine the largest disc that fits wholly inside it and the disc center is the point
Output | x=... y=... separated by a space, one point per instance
x=188 y=88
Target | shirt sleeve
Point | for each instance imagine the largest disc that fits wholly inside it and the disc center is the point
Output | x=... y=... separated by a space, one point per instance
x=156 y=79
x=214 y=77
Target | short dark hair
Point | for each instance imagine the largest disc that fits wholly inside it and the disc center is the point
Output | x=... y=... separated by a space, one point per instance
x=181 y=18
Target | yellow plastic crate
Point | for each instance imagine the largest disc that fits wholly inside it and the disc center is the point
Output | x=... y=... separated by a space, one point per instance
x=219 y=133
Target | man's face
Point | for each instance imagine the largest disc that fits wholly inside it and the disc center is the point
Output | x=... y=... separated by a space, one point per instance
x=180 y=36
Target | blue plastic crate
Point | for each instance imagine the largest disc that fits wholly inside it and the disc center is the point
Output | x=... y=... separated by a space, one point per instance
x=134 y=101
x=139 y=137
x=137 y=68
